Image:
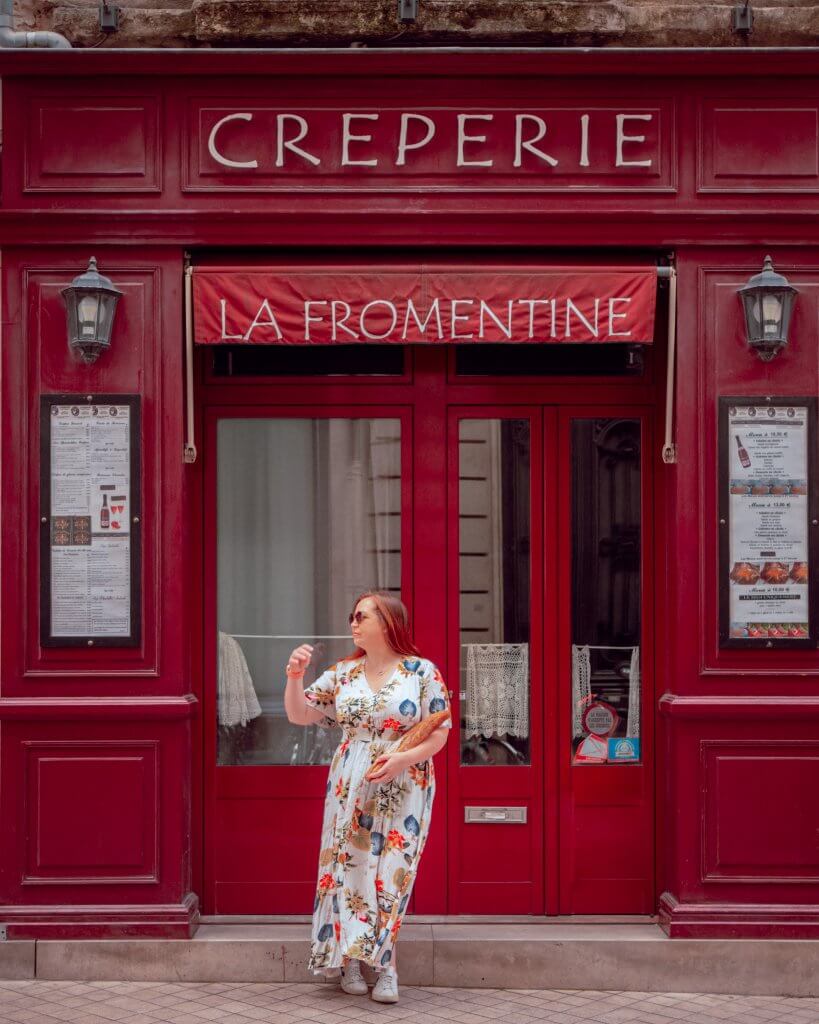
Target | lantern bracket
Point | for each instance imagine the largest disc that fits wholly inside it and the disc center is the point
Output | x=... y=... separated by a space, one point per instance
x=743 y=18
x=109 y=17
x=407 y=10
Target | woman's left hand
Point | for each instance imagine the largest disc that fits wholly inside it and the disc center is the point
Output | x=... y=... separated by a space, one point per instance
x=388 y=766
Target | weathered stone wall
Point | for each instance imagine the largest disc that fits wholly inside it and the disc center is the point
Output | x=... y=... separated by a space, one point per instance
x=196 y=23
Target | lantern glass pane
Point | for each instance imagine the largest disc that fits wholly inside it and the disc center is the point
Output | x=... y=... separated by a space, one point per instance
x=106 y=316
x=772 y=313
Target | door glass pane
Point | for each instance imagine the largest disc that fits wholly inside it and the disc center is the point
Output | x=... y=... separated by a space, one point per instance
x=494 y=544
x=605 y=590
x=309 y=517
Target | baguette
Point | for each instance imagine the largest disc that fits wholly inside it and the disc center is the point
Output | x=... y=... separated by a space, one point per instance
x=414 y=736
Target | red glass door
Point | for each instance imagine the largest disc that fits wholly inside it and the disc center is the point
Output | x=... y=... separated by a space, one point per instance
x=307 y=508
x=551 y=782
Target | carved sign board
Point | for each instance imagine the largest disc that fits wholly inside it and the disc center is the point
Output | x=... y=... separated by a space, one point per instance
x=254 y=145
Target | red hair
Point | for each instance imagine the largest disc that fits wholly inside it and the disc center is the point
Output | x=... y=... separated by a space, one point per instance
x=393 y=613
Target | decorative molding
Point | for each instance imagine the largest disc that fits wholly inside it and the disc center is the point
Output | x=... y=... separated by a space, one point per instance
x=98 y=921
x=738 y=920
x=99 y=708
x=675 y=706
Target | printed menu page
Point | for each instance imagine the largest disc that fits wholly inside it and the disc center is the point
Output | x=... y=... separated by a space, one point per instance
x=768 y=507
x=90 y=521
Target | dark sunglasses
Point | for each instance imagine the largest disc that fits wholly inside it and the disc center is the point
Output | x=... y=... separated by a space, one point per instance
x=359 y=617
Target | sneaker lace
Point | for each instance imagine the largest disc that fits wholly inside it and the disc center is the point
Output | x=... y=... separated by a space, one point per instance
x=388 y=981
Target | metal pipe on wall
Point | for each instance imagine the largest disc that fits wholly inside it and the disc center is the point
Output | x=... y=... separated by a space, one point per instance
x=10 y=39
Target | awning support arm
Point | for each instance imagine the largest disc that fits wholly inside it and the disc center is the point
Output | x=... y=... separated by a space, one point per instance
x=669 y=452
x=189 y=454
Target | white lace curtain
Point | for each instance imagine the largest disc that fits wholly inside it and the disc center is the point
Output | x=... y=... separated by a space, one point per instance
x=497 y=690
x=581 y=689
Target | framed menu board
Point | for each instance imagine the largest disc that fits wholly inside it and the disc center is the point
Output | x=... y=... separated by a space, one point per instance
x=90 y=521
x=768 y=522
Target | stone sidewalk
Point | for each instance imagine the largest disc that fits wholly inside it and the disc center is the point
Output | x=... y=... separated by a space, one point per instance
x=108 y=1002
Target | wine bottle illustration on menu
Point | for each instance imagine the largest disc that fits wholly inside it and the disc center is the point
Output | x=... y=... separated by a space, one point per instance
x=744 y=457
x=105 y=514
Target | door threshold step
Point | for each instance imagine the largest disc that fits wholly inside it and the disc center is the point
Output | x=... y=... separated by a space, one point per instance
x=607 y=956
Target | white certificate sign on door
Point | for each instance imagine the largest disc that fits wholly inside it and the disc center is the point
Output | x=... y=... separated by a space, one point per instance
x=90 y=524
x=766 y=564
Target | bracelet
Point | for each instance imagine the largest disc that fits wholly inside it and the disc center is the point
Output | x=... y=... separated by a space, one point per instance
x=293 y=675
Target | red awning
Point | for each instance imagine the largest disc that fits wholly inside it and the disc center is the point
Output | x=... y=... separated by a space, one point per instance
x=423 y=305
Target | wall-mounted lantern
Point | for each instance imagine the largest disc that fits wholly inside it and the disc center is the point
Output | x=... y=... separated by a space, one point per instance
x=90 y=302
x=767 y=300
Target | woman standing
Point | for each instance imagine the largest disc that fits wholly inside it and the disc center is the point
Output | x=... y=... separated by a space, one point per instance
x=375 y=829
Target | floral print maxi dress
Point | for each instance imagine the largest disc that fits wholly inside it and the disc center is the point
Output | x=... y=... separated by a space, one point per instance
x=373 y=833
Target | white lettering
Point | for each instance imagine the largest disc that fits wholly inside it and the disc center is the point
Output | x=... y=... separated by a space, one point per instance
x=403 y=145
x=309 y=318
x=214 y=152
x=389 y=330
x=463 y=138
x=347 y=138
x=592 y=328
x=433 y=311
x=617 y=316
x=623 y=138
x=338 y=305
x=456 y=316
x=258 y=322
x=486 y=310
x=531 y=303
x=283 y=143
x=529 y=144
x=584 y=140
x=225 y=335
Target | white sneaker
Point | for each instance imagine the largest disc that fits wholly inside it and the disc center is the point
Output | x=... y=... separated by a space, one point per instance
x=386 y=988
x=352 y=980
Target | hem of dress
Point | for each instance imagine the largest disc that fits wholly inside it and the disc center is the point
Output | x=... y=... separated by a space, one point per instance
x=335 y=972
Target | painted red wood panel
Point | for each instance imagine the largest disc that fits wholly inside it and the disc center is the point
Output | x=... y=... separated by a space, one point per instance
x=726 y=186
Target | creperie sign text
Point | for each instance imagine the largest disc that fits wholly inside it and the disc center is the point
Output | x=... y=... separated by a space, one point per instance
x=547 y=142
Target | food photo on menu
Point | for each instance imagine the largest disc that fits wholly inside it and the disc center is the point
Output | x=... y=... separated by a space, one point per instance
x=767 y=450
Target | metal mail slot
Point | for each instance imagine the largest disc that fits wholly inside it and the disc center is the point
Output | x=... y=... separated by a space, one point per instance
x=496 y=815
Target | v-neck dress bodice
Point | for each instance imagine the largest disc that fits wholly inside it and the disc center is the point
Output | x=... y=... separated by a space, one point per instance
x=373 y=833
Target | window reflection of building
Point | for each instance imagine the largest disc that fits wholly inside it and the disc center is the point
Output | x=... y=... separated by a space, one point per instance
x=309 y=516
x=606 y=501
x=494 y=560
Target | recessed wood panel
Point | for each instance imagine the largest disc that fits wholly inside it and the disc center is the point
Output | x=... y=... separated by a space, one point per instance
x=93 y=145
x=91 y=813
x=761 y=818
x=758 y=147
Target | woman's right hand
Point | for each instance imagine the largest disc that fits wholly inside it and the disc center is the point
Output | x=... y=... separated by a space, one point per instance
x=299 y=660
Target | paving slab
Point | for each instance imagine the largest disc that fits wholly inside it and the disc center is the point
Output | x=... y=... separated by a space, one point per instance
x=146 y=1002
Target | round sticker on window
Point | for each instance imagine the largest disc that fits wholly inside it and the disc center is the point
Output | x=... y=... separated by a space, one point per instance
x=600 y=719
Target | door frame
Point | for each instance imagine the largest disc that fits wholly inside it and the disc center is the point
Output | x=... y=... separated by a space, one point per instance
x=423 y=387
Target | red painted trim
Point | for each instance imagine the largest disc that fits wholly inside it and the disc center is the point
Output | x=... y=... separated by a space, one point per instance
x=738 y=708
x=738 y=920
x=131 y=709
x=98 y=921
x=480 y=61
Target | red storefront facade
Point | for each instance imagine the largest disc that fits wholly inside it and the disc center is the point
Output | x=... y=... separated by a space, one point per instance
x=409 y=180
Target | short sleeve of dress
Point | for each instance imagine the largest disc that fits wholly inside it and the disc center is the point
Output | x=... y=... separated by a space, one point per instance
x=434 y=695
x=321 y=696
